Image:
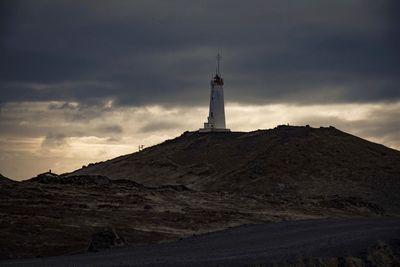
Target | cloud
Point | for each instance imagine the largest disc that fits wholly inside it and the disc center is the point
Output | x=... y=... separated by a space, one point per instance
x=159 y=125
x=63 y=105
x=303 y=52
x=112 y=129
x=53 y=140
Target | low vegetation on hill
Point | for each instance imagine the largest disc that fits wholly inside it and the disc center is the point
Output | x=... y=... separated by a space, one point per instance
x=291 y=160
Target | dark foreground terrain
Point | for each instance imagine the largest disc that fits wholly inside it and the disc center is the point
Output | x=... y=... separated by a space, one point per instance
x=50 y=216
x=326 y=242
x=202 y=183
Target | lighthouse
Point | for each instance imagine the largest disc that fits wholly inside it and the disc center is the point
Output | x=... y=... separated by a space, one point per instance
x=216 y=115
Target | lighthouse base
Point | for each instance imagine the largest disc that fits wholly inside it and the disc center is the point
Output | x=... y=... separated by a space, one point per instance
x=210 y=127
x=209 y=130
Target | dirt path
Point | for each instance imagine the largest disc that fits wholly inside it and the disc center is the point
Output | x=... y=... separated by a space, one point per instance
x=249 y=244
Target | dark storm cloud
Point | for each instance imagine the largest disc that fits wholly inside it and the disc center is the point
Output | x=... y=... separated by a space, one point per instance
x=37 y=119
x=162 y=52
x=53 y=140
x=81 y=112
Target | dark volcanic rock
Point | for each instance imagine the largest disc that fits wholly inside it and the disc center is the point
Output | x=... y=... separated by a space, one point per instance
x=107 y=238
x=178 y=187
x=4 y=179
x=86 y=180
x=342 y=203
x=51 y=178
x=46 y=178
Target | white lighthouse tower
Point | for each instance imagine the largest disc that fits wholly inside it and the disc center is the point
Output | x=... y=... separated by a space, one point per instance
x=216 y=116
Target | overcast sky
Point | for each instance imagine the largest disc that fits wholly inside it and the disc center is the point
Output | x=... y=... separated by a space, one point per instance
x=84 y=81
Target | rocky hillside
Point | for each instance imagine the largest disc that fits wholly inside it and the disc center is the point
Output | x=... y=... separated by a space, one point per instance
x=5 y=179
x=300 y=161
x=51 y=215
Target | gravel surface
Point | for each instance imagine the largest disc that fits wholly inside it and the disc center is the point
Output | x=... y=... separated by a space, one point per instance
x=244 y=245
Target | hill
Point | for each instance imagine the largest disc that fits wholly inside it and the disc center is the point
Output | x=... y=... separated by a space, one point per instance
x=294 y=160
x=199 y=183
x=4 y=179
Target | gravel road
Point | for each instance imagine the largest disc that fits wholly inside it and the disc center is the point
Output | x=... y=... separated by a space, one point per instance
x=248 y=244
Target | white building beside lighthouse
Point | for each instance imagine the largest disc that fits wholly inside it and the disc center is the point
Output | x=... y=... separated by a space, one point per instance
x=216 y=116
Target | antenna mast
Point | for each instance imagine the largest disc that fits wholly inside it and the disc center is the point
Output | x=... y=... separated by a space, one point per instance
x=218 y=60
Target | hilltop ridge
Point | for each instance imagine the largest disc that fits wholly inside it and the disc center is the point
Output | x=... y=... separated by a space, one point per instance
x=297 y=160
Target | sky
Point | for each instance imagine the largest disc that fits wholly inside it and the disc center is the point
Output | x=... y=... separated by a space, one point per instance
x=86 y=81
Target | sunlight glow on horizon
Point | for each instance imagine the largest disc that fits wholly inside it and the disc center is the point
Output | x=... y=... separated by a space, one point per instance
x=63 y=136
